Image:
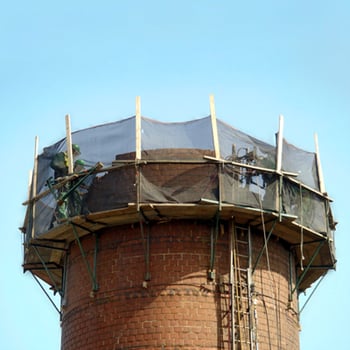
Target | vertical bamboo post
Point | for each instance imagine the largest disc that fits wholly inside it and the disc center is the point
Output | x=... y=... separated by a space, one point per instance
x=69 y=145
x=214 y=127
x=280 y=144
x=28 y=210
x=138 y=128
x=319 y=167
x=34 y=183
x=138 y=150
x=279 y=166
x=30 y=183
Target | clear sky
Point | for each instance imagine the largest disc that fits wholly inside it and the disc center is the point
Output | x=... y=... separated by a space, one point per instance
x=90 y=59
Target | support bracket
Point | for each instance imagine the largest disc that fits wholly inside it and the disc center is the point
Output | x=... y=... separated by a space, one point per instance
x=306 y=269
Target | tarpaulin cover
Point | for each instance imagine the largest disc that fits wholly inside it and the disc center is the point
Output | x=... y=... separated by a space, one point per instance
x=186 y=178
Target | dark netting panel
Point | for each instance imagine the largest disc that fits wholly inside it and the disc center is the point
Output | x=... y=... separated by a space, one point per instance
x=102 y=143
x=307 y=206
x=240 y=147
x=178 y=182
x=44 y=214
x=248 y=187
x=192 y=134
x=302 y=163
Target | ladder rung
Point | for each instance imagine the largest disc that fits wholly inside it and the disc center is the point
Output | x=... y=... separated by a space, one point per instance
x=241 y=269
x=242 y=228
x=243 y=285
x=242 y=312
x=240 y=241
x=242 y=256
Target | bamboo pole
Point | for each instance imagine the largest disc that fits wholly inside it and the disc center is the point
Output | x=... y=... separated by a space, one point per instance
x=30 y=182
x=214 y=127
x=138 y=128
x=69 y=145
x=34 y=182
x=279 y=167
x=280 y=144
x=138 y=150
x=319 y=167
x=29 y=199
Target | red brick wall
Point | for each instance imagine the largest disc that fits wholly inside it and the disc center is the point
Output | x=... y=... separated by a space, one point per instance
x=178 y=308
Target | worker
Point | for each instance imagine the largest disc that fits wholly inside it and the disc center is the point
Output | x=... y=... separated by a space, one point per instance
x=59 y=162
x=75 y=196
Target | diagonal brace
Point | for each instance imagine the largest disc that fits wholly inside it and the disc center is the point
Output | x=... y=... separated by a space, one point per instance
x=48 y=271
x=264 y=247
x=300 y=279
x=46 y=293
x=91 y=272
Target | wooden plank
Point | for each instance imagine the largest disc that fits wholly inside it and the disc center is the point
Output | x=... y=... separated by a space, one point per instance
x=69 y=145
x=214 y=127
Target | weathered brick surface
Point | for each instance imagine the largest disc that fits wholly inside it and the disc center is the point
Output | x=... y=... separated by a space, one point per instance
x=178 y=308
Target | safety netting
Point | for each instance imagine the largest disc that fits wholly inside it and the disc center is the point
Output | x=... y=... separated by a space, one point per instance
x=178 y=165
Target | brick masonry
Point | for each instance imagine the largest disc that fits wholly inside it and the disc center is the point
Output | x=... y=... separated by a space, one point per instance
x=178 y=308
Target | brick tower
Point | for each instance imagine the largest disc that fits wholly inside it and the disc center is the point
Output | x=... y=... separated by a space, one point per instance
x=186 y=235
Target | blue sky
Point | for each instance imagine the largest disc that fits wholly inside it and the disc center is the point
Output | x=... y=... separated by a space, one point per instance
x=90 y=59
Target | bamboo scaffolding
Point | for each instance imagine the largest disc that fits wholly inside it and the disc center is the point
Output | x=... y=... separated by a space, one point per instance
x=34 y=183
x=69 y=145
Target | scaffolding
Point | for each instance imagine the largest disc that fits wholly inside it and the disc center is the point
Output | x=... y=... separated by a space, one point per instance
x=141 y=170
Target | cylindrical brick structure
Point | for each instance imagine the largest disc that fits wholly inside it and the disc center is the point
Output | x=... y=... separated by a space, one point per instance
x=178 y=307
